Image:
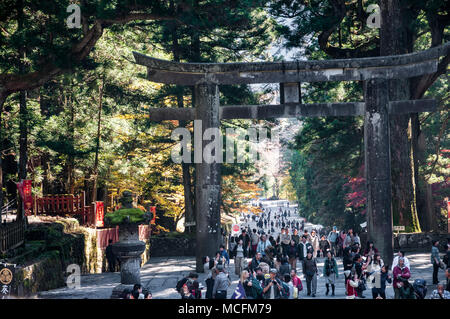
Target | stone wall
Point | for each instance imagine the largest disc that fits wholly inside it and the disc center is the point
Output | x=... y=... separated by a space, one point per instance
x=419 y=241
x=175 y=246
x=52 y=245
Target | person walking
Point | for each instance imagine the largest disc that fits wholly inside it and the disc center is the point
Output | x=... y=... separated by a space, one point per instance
x=315 y=243
x=239 y=257
x=330 y=272
x=246 y=241
x=110 y=257
x=310 y=271
x=435 y=260
x=297 y=283
x=292 y=254
x=254 y=242
x=285 y=239
x=262 y=245
x=324 y=246
x=285 y=267
x=224 y=254
x=341 y=243
x=349 y=241
x=221 y=283
x=296 y=237
x=303 y=248
x=332 y=240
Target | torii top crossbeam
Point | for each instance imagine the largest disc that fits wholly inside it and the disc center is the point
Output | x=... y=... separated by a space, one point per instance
x=291 y=73
x=386 y=67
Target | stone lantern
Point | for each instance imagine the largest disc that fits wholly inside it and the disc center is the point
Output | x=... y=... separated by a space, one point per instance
x=128 y=250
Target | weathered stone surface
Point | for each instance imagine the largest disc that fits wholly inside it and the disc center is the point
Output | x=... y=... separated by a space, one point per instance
x=402 y=240
x=420 y=241
x=165 y=247
x=378 y=166
x=386 y=67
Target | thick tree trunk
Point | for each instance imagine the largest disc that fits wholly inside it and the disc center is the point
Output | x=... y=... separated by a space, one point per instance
x=189 y=215
x=97 y=149
x=1 y=162
x=395 y=40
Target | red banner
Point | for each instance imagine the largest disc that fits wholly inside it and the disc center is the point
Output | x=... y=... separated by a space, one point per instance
x=99 y=214
x=153 y=211
x=24 y=188
x=448 y=214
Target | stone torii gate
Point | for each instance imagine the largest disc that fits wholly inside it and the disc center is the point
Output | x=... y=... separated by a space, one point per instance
x=376 y=107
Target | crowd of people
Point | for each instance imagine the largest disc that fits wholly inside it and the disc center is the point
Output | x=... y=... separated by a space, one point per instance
x=267 y=263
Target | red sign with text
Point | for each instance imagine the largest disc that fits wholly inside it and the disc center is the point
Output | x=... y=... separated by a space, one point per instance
x=99 y=214
x=24 y=188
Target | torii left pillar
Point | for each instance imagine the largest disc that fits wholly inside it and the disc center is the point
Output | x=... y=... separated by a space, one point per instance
x=207 y=175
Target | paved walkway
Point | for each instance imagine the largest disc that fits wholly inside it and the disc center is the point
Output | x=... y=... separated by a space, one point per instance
x=161 y=274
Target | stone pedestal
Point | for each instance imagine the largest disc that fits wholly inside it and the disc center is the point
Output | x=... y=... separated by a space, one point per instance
x=128 y=250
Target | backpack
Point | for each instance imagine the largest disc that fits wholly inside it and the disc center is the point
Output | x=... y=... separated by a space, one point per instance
x=180 y=284
x=420 y=288
x=284 y=290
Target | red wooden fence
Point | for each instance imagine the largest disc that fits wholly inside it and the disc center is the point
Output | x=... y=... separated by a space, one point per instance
x=65 y=205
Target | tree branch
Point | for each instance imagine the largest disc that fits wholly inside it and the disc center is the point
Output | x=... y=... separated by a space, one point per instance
x=10 y=83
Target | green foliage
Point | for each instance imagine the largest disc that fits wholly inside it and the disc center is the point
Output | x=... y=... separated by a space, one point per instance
x=124 y=216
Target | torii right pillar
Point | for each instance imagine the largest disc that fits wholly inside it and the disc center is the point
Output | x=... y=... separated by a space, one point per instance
x=378 y=166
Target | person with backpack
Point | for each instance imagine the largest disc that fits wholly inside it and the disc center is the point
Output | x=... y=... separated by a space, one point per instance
x=297 y=284
x=284 y=268
x=221 y=283
x=188 y=287
x=272 y=286
x=310 y=271
x=287 y=291
x=332 y=240
x=330 y=272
